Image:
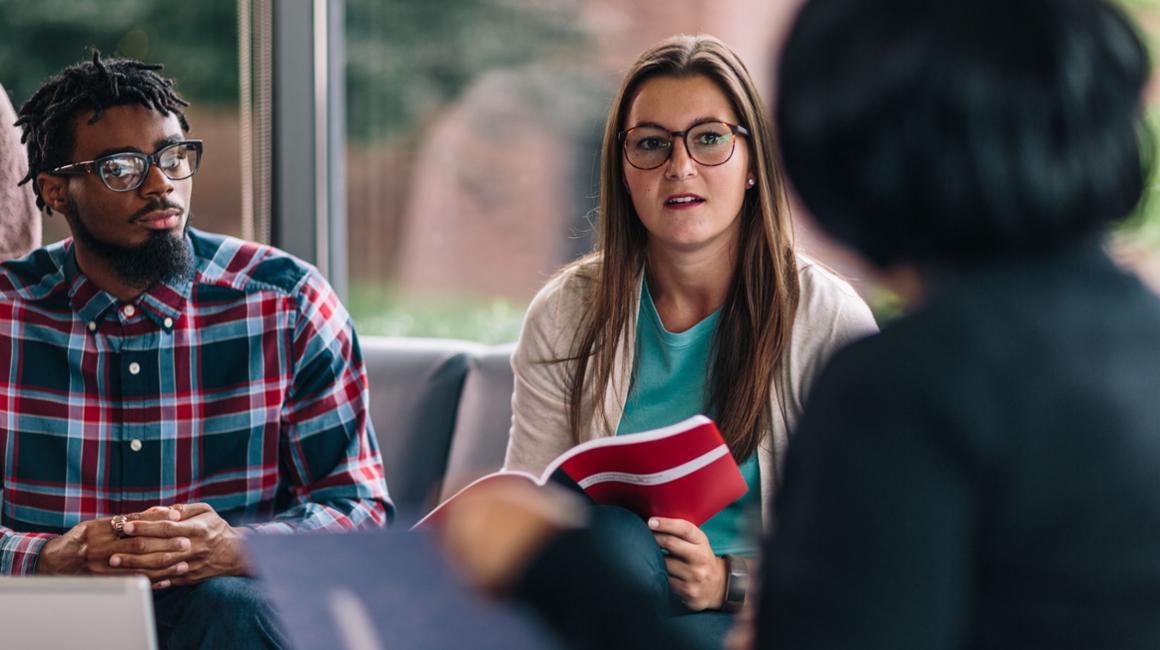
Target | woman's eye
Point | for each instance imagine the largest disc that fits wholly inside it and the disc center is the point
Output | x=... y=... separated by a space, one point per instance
x=650 y=144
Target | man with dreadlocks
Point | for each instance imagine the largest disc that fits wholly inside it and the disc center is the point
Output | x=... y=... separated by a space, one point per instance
x=164 y=391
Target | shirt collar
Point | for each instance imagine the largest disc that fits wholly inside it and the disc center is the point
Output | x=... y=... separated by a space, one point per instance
x=163 y=302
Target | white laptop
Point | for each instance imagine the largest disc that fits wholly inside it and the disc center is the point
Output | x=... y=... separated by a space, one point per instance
x=45 y=612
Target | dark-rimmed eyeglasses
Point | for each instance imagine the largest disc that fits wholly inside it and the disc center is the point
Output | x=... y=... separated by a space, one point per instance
x=125 y=172
x=708 y=143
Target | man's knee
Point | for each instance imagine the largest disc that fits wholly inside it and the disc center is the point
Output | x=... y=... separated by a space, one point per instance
x=229 y=593
x=227 y=610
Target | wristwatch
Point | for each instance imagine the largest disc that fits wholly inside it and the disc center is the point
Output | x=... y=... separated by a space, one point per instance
x=736 y=583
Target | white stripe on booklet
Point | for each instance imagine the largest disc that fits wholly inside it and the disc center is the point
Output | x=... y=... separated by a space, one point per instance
x=670 y=474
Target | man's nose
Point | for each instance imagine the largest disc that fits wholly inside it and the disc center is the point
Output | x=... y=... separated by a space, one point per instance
x=156 y=183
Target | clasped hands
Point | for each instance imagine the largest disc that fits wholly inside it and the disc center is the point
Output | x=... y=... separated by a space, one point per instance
x=171 y=545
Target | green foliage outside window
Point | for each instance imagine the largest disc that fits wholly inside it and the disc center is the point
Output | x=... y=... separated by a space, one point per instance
x=408 y=58
x=197 y=41
x=473 y=318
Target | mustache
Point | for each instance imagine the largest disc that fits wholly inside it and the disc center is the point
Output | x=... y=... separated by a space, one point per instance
x=156 y=205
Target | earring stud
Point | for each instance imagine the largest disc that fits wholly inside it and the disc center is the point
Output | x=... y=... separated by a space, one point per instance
x=750 y=183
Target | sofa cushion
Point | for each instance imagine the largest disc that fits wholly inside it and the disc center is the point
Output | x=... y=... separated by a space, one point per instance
x=414 y=395
x=484 y=419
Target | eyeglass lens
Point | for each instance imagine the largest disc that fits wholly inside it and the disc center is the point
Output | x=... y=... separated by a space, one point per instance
x=709 y=144
x=127 y=171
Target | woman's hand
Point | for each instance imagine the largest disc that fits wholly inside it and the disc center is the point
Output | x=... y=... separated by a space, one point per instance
x=696 y=575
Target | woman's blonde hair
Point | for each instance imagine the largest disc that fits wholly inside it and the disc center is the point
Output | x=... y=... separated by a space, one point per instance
x=753 y=330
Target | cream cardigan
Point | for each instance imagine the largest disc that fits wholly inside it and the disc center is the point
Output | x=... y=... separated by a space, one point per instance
x=829 y=315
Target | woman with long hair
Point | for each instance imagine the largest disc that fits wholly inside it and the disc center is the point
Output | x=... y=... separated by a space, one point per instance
x=694 y=301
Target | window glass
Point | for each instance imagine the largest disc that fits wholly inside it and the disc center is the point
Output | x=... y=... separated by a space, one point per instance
x=473 y=141
x=474 y=131
x=197 y=42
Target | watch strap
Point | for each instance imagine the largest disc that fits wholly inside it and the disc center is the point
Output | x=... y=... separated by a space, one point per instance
x=736 y=583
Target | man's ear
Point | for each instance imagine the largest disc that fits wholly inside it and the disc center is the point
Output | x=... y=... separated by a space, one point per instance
x=53 y=190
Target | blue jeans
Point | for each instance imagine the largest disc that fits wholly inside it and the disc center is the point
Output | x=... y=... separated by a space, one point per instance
x=640 y=559
x=225 y=612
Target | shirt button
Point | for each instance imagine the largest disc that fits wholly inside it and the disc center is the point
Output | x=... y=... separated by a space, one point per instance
x=92 y=326
x=168 y=323
x=134 y=368
x=135 y=444
x=128 y=311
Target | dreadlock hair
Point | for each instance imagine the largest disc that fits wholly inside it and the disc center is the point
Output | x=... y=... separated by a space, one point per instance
x=47 y=117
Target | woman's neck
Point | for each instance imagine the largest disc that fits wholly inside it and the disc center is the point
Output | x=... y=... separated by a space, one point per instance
x=688 y=287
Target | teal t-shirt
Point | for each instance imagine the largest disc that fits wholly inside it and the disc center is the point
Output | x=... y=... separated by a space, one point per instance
x=669 y=384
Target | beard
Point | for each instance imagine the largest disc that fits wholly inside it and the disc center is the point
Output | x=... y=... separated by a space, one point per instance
x=163 y=257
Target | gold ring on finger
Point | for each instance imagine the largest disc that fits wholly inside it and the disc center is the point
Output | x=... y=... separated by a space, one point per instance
x=118 y=524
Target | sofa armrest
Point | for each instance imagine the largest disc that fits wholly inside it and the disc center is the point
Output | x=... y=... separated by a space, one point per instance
x=415 y=387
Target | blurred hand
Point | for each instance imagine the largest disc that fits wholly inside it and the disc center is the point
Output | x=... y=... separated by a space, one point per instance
x=493 y=531
x=696 y=575
x=215 y=547
x=88 y=549
x=743 y=634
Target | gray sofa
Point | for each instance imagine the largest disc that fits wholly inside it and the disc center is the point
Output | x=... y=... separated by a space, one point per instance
x=441 y=410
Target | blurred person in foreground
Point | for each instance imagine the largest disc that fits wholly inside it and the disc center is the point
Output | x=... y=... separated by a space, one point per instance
x=985 y=472
x=694 y=301
x=166 y=391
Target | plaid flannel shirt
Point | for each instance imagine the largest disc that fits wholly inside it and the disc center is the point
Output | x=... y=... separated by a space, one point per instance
x=242 y=387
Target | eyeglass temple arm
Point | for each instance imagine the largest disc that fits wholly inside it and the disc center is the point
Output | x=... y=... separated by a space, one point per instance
x=74 y=168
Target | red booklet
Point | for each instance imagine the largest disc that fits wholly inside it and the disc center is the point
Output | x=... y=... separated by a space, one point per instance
x=684 y=471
